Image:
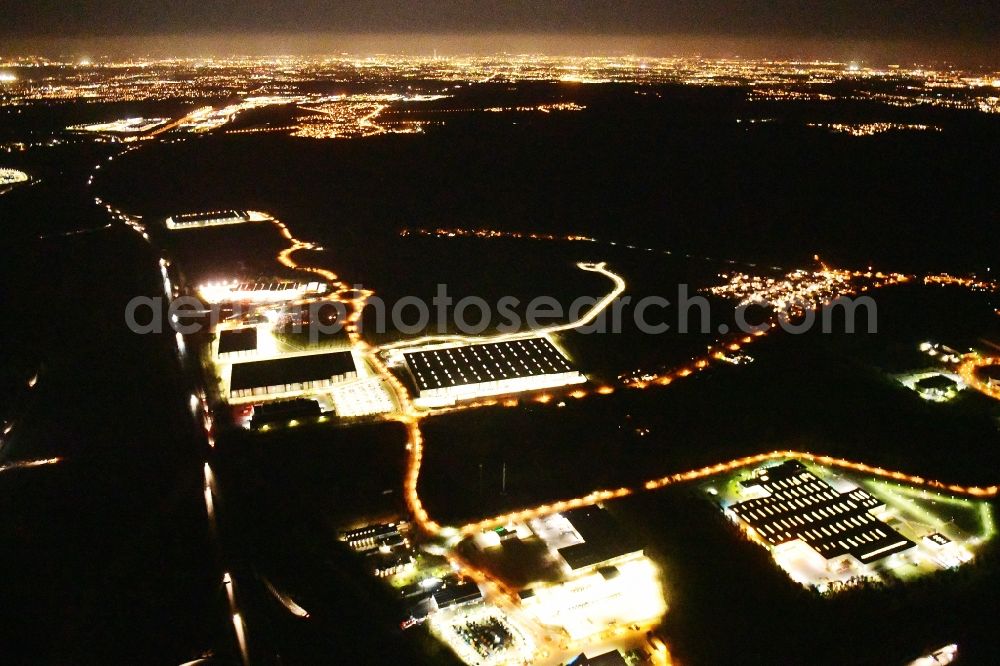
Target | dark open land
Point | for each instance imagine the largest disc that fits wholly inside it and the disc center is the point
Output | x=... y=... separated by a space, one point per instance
x=670 y=167
x=108 y=553
x=827 y=394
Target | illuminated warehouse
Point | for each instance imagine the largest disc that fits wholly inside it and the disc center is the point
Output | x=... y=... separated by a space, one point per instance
x=289 y=376
x=605 y=579
x=794 y=505
x=210 y=219
x=12 y=177
x=271 y=291
x=446 y=374
x=589 y=539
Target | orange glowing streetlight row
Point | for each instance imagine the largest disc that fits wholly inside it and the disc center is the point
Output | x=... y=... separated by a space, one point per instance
x=27 y=464
x=457 y=232
x=715 y=353
x=344 y=293
x=820 y=289
x=969 y=283
x=711 y=470
x=641 y=380
x=410 y=416
x=411 y=477
x=967 y=370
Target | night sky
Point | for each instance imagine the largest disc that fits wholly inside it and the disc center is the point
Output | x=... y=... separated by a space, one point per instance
x=953 y=27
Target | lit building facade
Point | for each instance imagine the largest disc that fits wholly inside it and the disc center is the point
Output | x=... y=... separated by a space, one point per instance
x=446 y=374
x=290 y=376
x=792 y=506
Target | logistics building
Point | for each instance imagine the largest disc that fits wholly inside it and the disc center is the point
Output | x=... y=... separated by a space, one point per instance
x=290 y=376
x=215 y=218
x=237 y=343
x=794 y=505
x=445 y=374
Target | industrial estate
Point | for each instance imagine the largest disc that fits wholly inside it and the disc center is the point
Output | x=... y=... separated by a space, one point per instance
x=532 y=494
x=585 y=591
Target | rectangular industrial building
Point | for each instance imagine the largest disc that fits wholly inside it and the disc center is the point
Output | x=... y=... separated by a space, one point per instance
x=602 y=541
x=236 y=342
x=270 y=291
x=457 y=594
x=289 y=374
x=798 y=505
x=209 y=219
x=443 y=375
x=371 y=536
x=283 y=411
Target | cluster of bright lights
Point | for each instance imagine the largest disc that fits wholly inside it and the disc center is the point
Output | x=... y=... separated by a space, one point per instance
x=943 y=394
x=12 y=177
x=975 y=284
x=940 y=657
x=483 y=634
x=235 y=291
x=723 y=351
x=344 y=120
x=544 y=108
x=768 y=94
x=800 y=290
x=457 y=232
x=359 y=115
x=137 y=125
x=871 y=129
x=900 y=506
x=362 y=398
x=208 y=118
x=144 y=79
x=214 y=218
x=591 y=609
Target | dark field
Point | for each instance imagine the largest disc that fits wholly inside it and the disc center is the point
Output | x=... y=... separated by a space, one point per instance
x=819 y=393
x=108 y=549
x=675 y=171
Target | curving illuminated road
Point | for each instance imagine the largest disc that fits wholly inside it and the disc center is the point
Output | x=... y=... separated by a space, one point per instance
x=411 y=417
x=588 y=317
x=27 y=464
x=967 y=370
x=702 y=472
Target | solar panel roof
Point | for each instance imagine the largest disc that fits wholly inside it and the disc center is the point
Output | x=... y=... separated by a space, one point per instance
x=485 y=362
x=213 y=215
x=800 y=505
